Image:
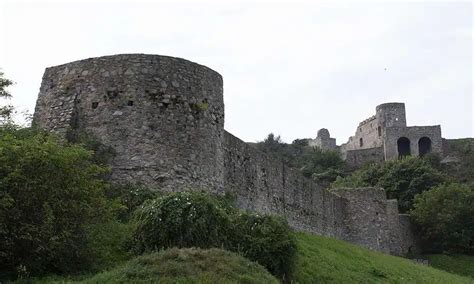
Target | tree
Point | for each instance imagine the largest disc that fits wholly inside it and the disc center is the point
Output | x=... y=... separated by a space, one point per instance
x=49 y=194
x=445 y=216
x=5 y=111
x=402 y=179
x=319 y=165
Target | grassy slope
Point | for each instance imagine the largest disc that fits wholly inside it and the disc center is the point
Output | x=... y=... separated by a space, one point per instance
x=187 y=266
x=459 y=264
x=326 y=260
x=320 y=260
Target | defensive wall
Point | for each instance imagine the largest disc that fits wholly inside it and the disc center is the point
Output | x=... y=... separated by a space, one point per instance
x=163 y=118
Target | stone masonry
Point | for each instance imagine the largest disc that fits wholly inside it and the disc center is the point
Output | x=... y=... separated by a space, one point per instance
x=163 y=118
x=323 y=140
x=386 y=136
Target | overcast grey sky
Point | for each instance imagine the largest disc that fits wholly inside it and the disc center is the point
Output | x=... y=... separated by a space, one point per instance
x=288 y=68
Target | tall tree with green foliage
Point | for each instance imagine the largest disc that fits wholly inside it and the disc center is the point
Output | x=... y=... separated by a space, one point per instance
x=7 y=110
x=49 y=194
x=445 y=215
x=402 y=179
x=320 y=165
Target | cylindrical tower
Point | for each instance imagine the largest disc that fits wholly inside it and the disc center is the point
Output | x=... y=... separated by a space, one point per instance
x=163 y=117
x=391 y=114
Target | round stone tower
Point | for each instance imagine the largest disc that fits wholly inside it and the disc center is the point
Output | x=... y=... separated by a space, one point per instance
x=391 y=114
x=162 y=117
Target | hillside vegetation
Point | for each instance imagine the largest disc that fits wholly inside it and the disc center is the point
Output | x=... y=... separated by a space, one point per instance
x=456 y=263
x=187 y=266
x=319 y=260
x=462 y=149
x=326 y=260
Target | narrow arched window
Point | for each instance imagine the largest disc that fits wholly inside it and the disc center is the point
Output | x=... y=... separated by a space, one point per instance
x=361 y=142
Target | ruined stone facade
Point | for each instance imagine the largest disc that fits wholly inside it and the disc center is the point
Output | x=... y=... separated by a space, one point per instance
x=323 y=140
x=163 y=117
x=386 y=136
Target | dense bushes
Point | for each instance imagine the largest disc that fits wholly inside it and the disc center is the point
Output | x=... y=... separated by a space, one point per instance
x=198 y=220
x=463 y=150
x=181 y=220
x=265 y=239
x=130 y=196
x=445 y=215
x=49 y=194
x=401 y=179
x=319 y=165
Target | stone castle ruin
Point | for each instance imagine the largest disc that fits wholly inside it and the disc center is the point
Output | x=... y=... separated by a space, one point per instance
x=164 y=119
x=384 y=136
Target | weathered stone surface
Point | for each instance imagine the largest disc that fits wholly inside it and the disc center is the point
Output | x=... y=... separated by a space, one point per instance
x=147 y=123
x=358 y=158
x=164 y=119
x=323 y=140
x=385 y=130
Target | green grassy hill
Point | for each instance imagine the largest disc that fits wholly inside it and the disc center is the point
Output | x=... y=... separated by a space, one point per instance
x=326 y=260
x=320 y=260
x=187 y=266
x=458 y=264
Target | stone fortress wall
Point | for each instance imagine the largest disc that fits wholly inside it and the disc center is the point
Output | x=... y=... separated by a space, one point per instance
x=163 y=117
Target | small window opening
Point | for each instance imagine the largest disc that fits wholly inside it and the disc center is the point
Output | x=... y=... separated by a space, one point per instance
x=379 y=130
x=95 y=105
x=396 y=118
x=361 y=142
x=130 y=103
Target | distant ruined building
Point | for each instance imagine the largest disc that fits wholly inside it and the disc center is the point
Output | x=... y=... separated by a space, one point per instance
x=384 y=136
x=163 y=117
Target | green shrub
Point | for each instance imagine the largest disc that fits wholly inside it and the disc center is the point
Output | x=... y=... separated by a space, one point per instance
x=402 y=179
x=199 y=220
x=49 y=194
x=181 y=220
x=445 y=215
x=131 y=197
x=462 y=149
x=108 y=244
x=320 y=165
x=267 y=240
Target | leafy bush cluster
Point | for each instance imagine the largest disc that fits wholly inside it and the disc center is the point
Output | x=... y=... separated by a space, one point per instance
x=402 y=179
x=322 y=166
x=49 y=195
x=445 y=215
x=181 y=220
x=463 y=150
x=198 y=220
x=5 y=111
x=130 y=196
